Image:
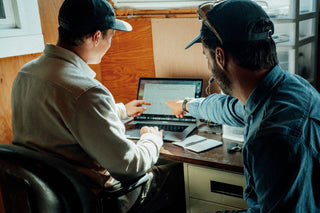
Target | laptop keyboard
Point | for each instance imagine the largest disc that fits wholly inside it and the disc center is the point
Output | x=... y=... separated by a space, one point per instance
x=172 y=128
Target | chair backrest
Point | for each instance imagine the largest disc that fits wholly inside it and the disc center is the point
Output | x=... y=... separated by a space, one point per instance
x=34 y=182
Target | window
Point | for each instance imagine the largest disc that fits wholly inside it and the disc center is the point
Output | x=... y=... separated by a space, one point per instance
x=20 y=28
x=7 y=19
x=156 y=4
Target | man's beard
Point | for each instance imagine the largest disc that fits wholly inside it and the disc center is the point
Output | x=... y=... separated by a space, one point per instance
x=222 y=79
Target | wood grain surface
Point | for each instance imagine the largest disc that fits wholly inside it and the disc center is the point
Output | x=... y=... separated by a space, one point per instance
x=129 y=58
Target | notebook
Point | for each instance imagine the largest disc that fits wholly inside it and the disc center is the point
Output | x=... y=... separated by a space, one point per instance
x=157 y=91
x=198 y=143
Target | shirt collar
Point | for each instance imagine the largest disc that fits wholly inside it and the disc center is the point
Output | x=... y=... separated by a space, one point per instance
x=67 y=55
x=264 y=89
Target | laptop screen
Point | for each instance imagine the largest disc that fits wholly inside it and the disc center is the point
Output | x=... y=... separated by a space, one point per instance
x=159 y=90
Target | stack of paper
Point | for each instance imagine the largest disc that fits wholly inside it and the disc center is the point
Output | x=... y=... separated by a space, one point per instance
x=198 y=143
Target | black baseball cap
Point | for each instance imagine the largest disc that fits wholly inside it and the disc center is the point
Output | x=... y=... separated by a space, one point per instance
x=86 y=16
x=233 y=20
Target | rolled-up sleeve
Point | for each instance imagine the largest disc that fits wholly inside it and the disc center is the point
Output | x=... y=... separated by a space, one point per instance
x=222 y=109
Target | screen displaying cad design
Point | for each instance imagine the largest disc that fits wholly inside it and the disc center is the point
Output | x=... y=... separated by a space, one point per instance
x=157 y=92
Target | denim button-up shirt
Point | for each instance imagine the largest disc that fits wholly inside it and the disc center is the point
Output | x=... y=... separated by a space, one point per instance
x=281 y=150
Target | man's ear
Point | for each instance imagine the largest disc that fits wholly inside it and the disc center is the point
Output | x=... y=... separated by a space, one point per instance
x=96 y=37
x=220 y=57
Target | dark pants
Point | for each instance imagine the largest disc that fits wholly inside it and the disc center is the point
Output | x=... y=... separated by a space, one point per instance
x=165 y=192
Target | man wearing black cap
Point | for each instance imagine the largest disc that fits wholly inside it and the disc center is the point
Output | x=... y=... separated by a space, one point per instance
x=59 y=108
x=279 y=111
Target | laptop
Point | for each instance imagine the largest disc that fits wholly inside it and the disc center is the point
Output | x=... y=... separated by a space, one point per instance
x=157 y=91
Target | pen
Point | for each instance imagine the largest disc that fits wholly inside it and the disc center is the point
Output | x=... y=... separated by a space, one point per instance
x=195 y=142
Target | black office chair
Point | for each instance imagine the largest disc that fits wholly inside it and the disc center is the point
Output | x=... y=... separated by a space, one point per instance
x=34 y=182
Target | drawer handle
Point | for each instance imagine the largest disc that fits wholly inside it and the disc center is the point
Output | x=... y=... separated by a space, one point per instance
x=226 y=189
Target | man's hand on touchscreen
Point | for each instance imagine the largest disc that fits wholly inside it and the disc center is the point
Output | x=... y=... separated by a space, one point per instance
x=176 y=107
x=134 y=108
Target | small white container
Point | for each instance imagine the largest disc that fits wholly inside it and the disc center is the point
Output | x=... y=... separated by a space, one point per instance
x=233 y=133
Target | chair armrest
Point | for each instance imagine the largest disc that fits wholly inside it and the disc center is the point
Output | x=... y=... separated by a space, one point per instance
x=125 y=187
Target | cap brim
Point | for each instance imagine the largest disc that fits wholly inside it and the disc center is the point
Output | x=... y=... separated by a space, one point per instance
x=122 y=25
x=196 y=40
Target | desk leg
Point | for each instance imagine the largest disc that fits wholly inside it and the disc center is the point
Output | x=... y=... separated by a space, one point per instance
x=186 y=186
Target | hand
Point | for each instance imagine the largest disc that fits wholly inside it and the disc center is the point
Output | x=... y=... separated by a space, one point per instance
x=134 y=108
x=176 y=107
x=154 y=130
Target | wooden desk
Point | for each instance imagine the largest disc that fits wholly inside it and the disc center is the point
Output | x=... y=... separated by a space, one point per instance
x=217 y=158
x=214 y=179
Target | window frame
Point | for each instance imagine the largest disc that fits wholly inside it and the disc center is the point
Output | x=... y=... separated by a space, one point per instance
x=24 y=34
x=156 y=4
x=165 y=8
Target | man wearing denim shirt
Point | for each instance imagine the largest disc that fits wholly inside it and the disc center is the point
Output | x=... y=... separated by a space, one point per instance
x=279 y=110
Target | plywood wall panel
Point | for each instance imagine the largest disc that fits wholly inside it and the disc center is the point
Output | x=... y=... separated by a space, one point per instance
x=129 y=58
x=49 y=10
x=9 y=68
x=170 y=37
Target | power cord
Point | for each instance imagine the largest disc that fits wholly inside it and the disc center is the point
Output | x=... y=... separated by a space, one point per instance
x=206 y=125
x=208 y=92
